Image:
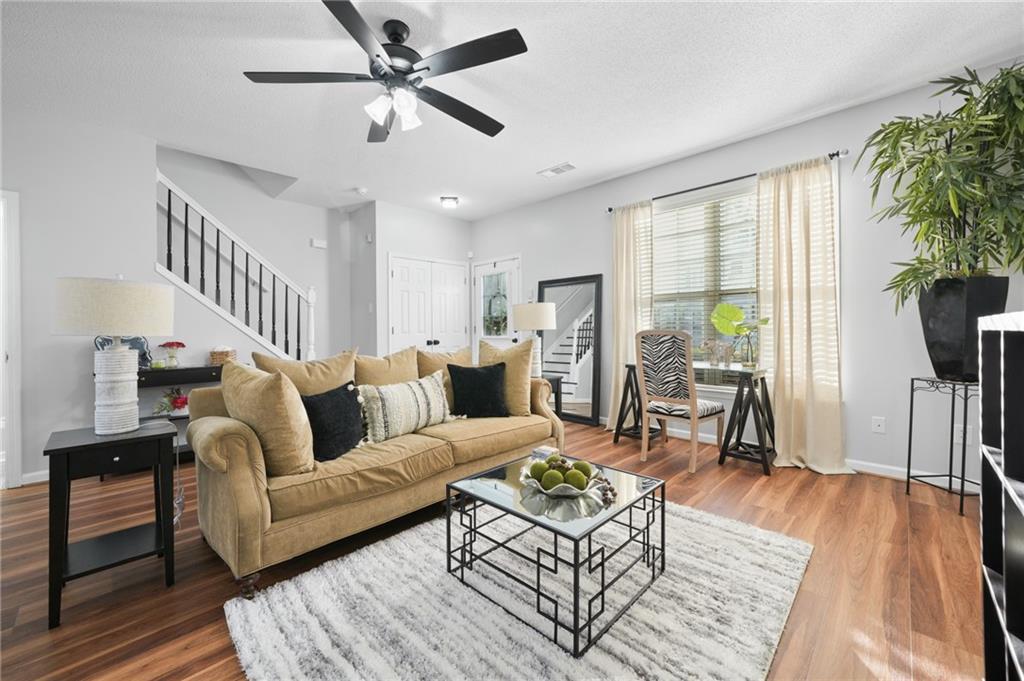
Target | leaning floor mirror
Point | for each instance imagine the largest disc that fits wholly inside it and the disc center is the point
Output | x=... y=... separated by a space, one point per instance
x=572 y=351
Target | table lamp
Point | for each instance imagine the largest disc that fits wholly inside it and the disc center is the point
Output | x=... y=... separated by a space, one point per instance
x=535 y=317
x=116 y=308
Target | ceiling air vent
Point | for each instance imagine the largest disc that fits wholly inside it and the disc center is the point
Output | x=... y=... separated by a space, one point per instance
x=556 y=170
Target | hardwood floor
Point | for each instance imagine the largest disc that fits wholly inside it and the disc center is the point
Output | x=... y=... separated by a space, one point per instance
x=892 y=589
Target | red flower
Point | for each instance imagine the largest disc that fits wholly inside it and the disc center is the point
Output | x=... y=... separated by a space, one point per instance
x=179 y=402
x=172 y=345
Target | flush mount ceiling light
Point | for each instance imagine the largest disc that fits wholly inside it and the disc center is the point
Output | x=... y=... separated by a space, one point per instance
x=449 y=202
x=401 y=70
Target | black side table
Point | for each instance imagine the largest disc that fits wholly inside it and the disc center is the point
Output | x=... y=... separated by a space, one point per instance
x=80 y=453
x=630 y=406
x=963 y=391
x=752 y=400
x=556 y=390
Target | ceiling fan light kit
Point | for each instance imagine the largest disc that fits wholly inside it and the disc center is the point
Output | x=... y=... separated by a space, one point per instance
x=401 y=70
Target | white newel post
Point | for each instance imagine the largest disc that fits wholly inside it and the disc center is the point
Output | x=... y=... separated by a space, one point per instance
x=310 y=304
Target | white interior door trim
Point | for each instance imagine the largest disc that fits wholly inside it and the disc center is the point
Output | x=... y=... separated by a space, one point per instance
x=515 y=295
x=10 y=337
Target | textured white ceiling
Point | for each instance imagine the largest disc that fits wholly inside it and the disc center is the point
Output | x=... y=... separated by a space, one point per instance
x=611 y=87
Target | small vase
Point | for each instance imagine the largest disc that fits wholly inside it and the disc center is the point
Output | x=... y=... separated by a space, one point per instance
x=172 y=359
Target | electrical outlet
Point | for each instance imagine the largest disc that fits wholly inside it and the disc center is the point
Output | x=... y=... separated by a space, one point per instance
x=958 y=435
x=878 y=425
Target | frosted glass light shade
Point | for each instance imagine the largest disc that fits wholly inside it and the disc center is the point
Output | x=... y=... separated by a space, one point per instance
x=378 y=109
x=113 y=307
x=534 y=316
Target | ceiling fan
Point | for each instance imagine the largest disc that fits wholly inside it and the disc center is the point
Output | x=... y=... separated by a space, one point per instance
x=401 y=70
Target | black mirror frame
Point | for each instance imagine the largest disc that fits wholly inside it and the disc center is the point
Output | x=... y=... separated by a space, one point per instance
x=595 y=400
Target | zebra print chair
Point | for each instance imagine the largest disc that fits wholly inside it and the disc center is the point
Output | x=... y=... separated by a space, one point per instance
x=666 y=376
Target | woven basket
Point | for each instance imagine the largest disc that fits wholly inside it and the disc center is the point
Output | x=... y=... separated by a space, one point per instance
x=219 y=357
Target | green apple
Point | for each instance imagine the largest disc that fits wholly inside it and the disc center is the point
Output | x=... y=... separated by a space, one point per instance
x=585 y=468
x=537 y=470
x=577 y=479
x=553 y=458
x=551 y=479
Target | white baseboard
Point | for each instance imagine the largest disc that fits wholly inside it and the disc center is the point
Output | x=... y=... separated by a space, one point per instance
x=34 y=477
x=883 y=469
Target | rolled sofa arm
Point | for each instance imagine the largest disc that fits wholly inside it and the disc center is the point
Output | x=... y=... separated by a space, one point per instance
x=234 y=506
x=540 y=391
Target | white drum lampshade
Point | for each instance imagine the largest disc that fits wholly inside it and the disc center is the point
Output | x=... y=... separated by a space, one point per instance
x=535 y=317
x=114 y=307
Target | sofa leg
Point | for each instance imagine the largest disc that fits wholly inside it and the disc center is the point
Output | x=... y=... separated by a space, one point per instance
x=247 y=585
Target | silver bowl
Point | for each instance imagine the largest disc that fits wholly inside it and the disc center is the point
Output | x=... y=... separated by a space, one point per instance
x=562 y=491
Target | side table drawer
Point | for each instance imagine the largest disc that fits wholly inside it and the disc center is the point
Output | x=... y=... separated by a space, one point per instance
x=126 y=459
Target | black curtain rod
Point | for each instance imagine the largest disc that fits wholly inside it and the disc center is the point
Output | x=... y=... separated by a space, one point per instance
x=838 y=153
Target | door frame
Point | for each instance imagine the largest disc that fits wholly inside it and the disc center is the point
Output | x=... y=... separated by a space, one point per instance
x=465 y=264
x=10 y=336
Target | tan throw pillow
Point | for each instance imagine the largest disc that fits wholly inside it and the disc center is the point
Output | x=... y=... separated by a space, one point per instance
x=315 y=376
x=272 y=407
x=518 y=360
x=429 y=362
x=398 y=367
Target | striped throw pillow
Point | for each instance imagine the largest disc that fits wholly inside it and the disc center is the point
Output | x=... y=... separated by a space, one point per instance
x=393 y=410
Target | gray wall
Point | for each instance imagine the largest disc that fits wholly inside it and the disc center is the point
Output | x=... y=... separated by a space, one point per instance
x=572 y=235
x=363 y=248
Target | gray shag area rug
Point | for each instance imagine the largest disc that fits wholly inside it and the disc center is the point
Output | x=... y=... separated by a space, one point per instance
x=391 y=611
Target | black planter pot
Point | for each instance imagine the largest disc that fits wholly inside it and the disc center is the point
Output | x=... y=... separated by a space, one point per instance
x=949 y=316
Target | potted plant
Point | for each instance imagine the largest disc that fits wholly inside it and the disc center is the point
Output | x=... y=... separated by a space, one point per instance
x=957 y=186
x=730 y=320
x=174 y=402
x=172 y=347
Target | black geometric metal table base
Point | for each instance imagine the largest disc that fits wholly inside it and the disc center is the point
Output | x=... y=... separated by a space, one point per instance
x=629 y=409
x=475 y=545
x=751 y=401
x=963 y=391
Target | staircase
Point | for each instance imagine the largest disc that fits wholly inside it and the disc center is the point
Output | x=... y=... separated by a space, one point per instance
x=202 y=257
x=570 y=356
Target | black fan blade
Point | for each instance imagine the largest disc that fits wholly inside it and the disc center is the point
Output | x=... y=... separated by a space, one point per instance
x=474 y=53
x=347 y=15
x=459 y=110
x=379 y=133
x=307 y=77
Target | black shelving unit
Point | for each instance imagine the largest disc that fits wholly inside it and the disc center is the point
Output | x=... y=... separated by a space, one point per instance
x=1002 y=494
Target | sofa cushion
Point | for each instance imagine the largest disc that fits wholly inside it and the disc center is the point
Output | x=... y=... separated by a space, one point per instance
x=518 y=361
x=336 y=419
x=429 y=362
x=272 y=407
x=398 y=367
x=473 y=439
x=479 y=391
x=311 y=377
x=363 y=472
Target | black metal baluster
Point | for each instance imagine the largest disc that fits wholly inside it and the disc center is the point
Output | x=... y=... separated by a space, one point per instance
x=286 y=319
x=232 y=278
x=217 y=285
x=169 y=230
x=247 y=288
x=202 y=254
x=273 y=310
x=186 y=243
x=298 y=326
x=260 y=307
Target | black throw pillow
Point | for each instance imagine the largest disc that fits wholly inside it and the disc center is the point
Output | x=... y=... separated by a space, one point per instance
x=336 y=419
x=478 y=391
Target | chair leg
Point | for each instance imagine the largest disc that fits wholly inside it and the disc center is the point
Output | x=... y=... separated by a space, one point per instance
x=645 y=424
x=664 y=430
x=694 y=443
x=720 y=421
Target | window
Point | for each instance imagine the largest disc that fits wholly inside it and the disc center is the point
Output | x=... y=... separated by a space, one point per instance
x=703 y=251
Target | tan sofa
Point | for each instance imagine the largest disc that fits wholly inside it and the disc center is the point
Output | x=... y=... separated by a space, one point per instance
x=253 y=521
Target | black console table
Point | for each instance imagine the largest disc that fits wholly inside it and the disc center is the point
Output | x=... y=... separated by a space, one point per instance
x=80 y=453
x=964 y=391
x=752 y=401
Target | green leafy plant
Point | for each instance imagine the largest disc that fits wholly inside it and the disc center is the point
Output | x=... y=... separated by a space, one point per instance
x=956 y=180
x=731 y=320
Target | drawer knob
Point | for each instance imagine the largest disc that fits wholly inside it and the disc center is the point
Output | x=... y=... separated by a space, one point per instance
x=116 y=459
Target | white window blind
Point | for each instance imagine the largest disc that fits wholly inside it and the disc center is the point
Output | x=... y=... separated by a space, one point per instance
x=702 y=251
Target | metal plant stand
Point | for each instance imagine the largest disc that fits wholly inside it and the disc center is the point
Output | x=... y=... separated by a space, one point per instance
x=957 y=390
x=475 y=542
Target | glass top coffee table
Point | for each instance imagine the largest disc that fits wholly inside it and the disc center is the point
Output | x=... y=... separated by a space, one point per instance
x=571 y=566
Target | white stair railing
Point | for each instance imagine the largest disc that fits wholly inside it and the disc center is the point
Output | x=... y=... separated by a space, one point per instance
x=186 y=228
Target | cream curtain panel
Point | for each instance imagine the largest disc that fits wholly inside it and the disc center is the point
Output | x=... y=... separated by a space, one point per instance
x=797 y=227
x=631 y=292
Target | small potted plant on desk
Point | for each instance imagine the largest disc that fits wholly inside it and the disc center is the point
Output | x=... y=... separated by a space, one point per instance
x=730 y=320
x=171 y=348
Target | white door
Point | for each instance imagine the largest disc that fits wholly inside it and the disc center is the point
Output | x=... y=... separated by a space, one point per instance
x=496 y=289
x=10 y=358
x=449 y=306
x=409 y=308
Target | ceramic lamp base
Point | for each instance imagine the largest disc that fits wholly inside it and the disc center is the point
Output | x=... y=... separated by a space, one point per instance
x=117 y=390
x=537 y=364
